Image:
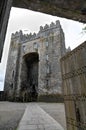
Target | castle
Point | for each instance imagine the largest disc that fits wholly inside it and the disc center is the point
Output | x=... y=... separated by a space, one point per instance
x=33 y=69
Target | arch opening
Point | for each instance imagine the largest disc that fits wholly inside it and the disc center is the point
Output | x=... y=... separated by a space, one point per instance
x=29 y=86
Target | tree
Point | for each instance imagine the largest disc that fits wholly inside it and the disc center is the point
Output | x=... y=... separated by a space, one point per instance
x=84 y=29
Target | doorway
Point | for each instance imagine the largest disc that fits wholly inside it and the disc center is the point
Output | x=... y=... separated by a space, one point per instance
x=30 y=77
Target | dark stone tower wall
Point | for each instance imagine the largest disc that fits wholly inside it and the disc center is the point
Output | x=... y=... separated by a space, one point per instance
x=35 y=61
x=12 y=69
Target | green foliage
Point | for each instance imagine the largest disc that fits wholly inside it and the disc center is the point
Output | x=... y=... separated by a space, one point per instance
x=84 y=29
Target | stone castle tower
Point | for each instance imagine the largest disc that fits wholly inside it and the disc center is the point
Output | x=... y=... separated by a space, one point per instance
x=33 y=68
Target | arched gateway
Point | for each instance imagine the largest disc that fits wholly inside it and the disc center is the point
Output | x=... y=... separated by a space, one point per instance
x=29 y=77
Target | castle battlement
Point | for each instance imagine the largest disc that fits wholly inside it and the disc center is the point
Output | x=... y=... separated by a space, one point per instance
x=17 y=34
x=23 y=37
x=28 y=37
x=49 y=27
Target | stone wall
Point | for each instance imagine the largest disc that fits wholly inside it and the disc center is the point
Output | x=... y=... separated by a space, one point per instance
x=71 y=9
x=12 y=69
x=74 y=87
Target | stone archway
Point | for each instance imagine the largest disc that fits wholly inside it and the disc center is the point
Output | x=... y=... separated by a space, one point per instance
x=29 y=76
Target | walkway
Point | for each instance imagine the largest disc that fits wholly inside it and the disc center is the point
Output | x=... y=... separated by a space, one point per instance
x=35 y=118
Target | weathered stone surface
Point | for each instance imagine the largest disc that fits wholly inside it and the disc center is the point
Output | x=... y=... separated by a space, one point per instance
x=71 y=9
x=74 y=87
x=33 y=65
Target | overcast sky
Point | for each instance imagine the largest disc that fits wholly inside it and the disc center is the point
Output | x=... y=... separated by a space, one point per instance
x=30 y=21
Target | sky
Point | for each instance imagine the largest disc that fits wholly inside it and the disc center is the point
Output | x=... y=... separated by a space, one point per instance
x=30 y=21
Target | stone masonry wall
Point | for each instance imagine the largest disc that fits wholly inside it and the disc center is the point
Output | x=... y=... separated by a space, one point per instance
x=74 y=87
x=49 y=44
x=12 y=69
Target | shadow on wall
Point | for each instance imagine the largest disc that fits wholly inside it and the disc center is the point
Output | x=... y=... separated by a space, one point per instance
x=1 y=95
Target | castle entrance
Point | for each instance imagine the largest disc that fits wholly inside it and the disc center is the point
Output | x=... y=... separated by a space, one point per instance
x=30 y=77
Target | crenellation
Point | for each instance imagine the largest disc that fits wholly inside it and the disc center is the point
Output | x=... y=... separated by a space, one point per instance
x=41 y=29
x=58 y=23
x=46 y=27
x=23 y=37
x=52 y=25
x=29 y=37
x=16 y=34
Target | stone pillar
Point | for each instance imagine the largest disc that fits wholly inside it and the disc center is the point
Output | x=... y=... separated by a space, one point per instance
x=5 y=6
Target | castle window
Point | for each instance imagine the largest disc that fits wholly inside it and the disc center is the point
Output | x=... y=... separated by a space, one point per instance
x=47 y=82
x=46 y=44
x=13 y=74
x=47 y=57
x=48 y=70
x=35 y=45
x=11 y=85
x=24 y=48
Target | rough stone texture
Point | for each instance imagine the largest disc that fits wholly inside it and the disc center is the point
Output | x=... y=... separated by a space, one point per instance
x=12 y=69
x=33 y=64
x=74 y=87
x=71 y=9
